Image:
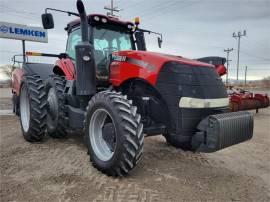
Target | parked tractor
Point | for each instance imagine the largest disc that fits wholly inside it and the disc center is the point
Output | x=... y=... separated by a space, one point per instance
x=110 y=87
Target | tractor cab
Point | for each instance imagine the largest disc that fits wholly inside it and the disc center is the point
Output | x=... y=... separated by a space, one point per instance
x=107 y=35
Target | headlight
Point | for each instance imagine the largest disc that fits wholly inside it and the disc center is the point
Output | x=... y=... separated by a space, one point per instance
x=104 y=20
x=96 y=18
x=188 y=102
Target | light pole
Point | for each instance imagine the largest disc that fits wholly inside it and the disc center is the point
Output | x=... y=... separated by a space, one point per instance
x=228 y=50
x=246 y=76
x=238 y=36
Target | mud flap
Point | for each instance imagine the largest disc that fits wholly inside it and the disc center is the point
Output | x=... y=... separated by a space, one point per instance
x=219 y=131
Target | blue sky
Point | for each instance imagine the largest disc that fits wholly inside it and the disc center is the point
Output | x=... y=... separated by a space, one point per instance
x=190 y=28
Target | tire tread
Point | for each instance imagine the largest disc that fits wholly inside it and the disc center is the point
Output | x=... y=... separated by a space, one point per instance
x=131 y=128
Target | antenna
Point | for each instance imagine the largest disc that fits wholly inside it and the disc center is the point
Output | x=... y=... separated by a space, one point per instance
x=112 y=9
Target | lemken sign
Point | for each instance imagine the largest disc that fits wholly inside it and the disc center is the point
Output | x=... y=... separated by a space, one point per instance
x=23 y=32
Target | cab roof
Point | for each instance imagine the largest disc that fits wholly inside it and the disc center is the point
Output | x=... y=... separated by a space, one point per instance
x=110 y=19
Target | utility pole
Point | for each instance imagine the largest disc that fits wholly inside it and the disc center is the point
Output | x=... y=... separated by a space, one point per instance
x=112 y=9
x=23 y=48
x=246 y=76
x=239 y=35
x=228 y=50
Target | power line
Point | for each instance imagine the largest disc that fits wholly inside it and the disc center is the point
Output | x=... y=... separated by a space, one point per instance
x=152 y=15
x=19 y=11
x=142 y=12
x=258 y=69
x=24 y=16
x=154 y=8
x=255 y=56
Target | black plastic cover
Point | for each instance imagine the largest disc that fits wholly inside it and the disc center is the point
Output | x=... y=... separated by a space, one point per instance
x=47 y=21
x=223 y=130
x=40 y=69
x=76 y=117
x=86 y=71
x=181 y=80
x=140 y=40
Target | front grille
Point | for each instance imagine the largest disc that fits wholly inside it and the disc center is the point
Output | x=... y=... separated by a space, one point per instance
x=180 y=80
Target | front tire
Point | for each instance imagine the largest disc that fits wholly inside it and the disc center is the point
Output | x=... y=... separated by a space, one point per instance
x=33 y=108
x=114 y=133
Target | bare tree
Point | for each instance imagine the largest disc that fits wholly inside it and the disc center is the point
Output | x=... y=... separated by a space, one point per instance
x=7 y=70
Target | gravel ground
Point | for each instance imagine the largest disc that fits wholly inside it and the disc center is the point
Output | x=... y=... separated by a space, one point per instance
x=59 y=170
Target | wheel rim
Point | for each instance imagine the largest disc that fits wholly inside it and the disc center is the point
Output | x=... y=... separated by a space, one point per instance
x=25 y=108
x=103 y=150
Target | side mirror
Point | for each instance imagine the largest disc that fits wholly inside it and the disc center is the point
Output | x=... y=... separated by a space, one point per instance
x=159 y=42
x=47 y=21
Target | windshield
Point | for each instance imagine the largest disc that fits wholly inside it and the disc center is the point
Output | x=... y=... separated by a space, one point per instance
x=110 y=40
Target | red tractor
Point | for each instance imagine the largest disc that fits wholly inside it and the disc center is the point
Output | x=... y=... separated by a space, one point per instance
x=116 y=92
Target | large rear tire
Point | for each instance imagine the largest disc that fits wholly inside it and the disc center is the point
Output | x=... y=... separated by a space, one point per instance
x=114 y=133
x=56 y=116
x=33 y=108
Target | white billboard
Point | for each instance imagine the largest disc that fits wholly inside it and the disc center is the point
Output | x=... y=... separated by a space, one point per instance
x=23 y=32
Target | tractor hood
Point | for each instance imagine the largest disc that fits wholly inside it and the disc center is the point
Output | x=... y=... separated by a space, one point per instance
x=154 y=60
x=146 y=65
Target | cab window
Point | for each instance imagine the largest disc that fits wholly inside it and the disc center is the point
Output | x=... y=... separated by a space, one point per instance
x=73 y=39
x=108 y=40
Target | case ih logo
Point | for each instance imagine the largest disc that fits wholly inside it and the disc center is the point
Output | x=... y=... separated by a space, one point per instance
x=119 y=58
x=4 y=29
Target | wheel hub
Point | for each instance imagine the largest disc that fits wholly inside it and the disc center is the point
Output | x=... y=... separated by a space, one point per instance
x=108 y=134
x=102 y=134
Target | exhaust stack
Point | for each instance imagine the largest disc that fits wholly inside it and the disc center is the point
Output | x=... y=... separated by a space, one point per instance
x=85 y=63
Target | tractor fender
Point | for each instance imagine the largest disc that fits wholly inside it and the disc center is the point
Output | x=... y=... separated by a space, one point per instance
x=17 y=78
x=145 y=95
x=65 y=67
